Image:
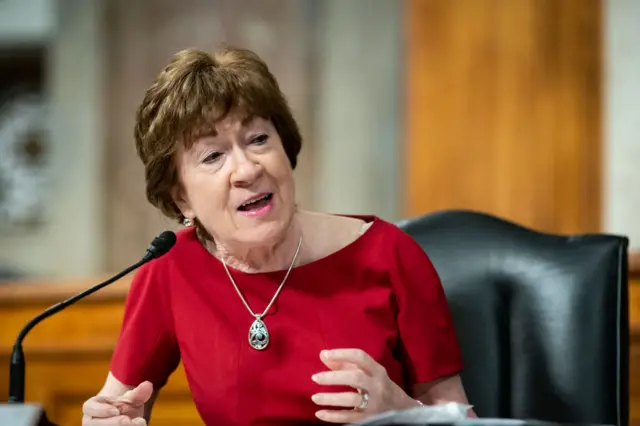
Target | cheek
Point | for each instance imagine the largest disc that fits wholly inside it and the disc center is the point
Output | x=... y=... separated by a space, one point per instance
x=280 y=170
x=285 y=182
x=207 y=194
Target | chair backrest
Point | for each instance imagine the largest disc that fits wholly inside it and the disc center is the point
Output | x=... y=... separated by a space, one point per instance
x=542 y=319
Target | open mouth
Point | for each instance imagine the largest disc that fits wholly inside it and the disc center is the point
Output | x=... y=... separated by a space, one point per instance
x=256 y=203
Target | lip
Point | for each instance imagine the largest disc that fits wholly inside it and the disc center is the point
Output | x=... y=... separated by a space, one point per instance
x=262 y=211
x=255 y=197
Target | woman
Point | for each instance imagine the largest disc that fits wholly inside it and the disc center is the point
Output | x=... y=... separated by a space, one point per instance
x=280 y=316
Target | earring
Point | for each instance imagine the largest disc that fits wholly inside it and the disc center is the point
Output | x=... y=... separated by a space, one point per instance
x=187 y=222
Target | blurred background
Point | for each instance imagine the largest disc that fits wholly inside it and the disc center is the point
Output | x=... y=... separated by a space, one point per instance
x=525 y=109
x=521 y=108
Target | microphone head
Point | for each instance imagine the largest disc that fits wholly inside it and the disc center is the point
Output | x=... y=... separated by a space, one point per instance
x=161 y=245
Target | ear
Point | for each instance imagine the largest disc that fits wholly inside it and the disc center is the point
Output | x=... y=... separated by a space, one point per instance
x=182 y=201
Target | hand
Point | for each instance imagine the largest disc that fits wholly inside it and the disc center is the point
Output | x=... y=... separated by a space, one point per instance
x=355 y=368
x=127 y=409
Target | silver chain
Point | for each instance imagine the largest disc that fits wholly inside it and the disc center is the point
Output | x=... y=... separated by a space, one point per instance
x=275 y=296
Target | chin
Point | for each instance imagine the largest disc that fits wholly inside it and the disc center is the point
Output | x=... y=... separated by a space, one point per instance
x=265 y=232
x=260 y=238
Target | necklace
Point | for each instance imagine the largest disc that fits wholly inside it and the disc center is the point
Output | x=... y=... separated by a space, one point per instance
x=258 y=332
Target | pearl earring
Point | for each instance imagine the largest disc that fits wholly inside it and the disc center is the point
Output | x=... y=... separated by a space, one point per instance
x=187 y=222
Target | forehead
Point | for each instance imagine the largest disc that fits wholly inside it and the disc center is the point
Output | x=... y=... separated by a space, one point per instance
x=235 y=122
x=232 y=122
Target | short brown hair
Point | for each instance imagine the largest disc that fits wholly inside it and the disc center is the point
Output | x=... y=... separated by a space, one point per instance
x=192 y=93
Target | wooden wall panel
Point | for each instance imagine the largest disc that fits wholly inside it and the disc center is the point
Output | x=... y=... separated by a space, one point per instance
x=503 y=104
x=503 y=110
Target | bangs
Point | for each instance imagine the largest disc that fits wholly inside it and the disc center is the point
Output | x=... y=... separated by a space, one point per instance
x=211 y=95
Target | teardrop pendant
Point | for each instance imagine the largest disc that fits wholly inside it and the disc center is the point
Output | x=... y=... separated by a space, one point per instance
x=258 y=334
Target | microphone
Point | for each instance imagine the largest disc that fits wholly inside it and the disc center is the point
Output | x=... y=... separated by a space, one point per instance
x=158 y=247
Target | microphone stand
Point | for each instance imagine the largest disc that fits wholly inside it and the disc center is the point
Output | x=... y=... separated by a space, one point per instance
x=158 y=247
x=17 y=366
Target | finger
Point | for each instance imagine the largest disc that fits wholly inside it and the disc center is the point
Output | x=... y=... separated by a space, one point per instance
x=107 y=406
x=335 y=364
x=338 y=399
x=139 y=396
x=105 y=399
x=354 y=378
x=339 y=416
x=121 y=406
x=114 y=421
x=96 y=408
x=355 y=356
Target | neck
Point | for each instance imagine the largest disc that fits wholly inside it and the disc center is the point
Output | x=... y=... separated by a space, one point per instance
x=255 y=259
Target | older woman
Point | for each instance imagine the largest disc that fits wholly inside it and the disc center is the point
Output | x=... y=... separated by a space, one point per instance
x=280 y=316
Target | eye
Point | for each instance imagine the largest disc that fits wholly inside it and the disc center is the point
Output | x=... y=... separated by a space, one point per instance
x=210 y=158
x=260 y=140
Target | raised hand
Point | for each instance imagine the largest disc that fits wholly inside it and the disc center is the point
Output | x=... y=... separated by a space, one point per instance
x=374 y=392
x=127 y=409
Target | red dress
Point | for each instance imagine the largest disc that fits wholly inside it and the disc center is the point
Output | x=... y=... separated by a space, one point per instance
x=380 y=294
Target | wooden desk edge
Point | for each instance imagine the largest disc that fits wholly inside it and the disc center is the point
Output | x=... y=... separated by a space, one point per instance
x=53 y=291
x=634 y=265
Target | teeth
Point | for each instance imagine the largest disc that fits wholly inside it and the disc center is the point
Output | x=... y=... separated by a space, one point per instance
x=255 y=200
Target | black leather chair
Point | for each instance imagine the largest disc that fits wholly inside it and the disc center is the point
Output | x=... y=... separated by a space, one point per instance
x=542 y=319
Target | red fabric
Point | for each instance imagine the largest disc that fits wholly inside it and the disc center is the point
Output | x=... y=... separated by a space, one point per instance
x=380 y=294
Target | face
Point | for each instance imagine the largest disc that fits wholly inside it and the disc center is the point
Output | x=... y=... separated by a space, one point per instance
x=238 y=183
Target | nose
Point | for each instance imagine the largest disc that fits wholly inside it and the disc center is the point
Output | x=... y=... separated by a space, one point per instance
x=246 y=170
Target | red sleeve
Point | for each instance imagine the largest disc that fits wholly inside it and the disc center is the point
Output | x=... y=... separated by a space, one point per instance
x=147 y=347
x=428 y=340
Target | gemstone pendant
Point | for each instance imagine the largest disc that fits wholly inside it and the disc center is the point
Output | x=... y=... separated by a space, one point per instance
x=258 y=334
